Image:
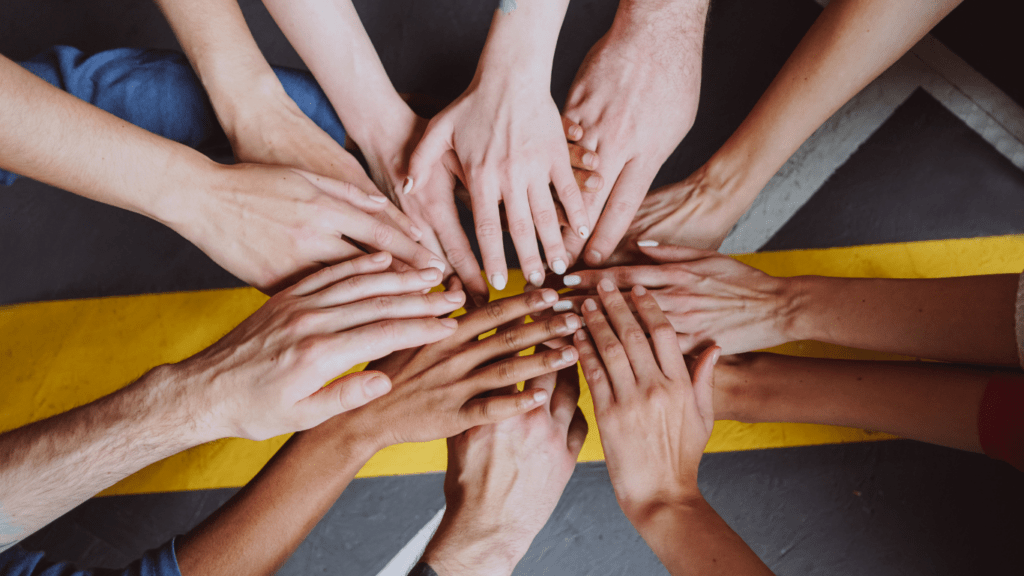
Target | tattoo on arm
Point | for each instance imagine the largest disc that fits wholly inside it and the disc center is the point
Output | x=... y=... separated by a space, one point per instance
x=506 y=7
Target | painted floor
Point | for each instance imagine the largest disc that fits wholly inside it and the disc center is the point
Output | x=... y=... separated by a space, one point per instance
x=933 y=150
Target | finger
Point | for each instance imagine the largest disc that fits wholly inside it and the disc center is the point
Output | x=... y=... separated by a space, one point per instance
x=488 y=233
x=663 y=335
x=671 y=253
x=548 y=230
x=573 y=131
x=460 y=255
x=437 y=139
x=519 y=338
x=544 y=382
x=630 y=333
x=430 y=305
x=493 y=409
x=572 y=199
x=499 y=312
x=393 y=216
x=624 y=277
x=372 y=232
x=577 y=435
x=703 y=381
x=588 y=181
x=610 y=350
x=519 y=369
x=369 y=264
x=566 y=395
x=347 y=192
x=580 y=157
x=363 y=286
x=628 y=193
x=340 y=396
x=524 y=237
x=594 y=371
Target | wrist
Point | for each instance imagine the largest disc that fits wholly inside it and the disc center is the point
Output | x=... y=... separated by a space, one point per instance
x=177 y=192
x=800 y=318
x=240 y=92
x=168 y=396
x=662 y=14
x=645 y=514
x=463 y=549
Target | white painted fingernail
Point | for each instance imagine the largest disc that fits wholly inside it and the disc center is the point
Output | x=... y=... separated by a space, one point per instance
x=572 y=280
x=498 y=281
x=584 y=232
x=562 y=306
x=435 y=263
x=647 y=243
x=407 y=187
x=536 y=278
x=558 y=266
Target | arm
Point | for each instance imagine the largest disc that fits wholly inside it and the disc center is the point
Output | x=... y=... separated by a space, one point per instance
x=432 y=396
x=636 y=96
x=711 y=298
x=267 y=225
x=850 y=44
x=505 y=131
x=654 y=422
x=504 y=481
x=264 y=378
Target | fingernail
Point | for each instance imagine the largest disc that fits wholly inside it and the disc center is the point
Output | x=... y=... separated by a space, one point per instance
x=589 y=305
x=449 y=322
x=435 y=263
x=576 y=132
x=376 y=386
x=498 y=281
x=593 y=182
x=606 y=285
x=595 y=256
x=430 y=275
x=639 y=290
x=571 y=280
x=549 y=296
x=567 y=355
x=584 y=232
x=588 y=159
x=455 y=297
x=580 y=335
x=647 y=243
x=572 y=323
x=379 y=257
x=416 y=232
x=715 y=355
x=407 y=187
x=562 y=306
x=378 y=198
x=558 y=266
x=536 y=278
x=540 y=396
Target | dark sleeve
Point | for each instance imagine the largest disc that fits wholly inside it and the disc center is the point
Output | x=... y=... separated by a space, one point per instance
x=422 y=569
x=19 y=562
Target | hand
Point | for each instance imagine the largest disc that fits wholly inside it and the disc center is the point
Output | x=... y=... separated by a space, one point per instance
x=653 y=419
x=505 y=133
x=435 y=389
x=267 y=376
x=270 y=225
x=710 y=299
x=504 y=481
x=636 y=97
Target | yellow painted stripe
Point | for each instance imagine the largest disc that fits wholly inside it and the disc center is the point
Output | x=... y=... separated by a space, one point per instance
x=58 y=355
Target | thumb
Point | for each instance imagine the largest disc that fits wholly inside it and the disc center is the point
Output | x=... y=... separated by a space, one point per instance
x=663 y=253
x=703 y=381
x=342 y=395
x=437 y=139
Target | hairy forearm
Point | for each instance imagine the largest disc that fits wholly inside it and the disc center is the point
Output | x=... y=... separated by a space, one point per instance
x=968 y=319
x=689 y=537
x=51 y=466
x=58 y=139
x=330 y=37
x=850 y=44
x=930 y=402
x=260 y=527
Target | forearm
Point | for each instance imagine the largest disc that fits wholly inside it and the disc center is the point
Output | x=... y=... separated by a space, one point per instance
x=968 y=319
x=849 y=45
x=930 y=402
x=260 y=527
x=51 y=466
x=691 y=538
x=521 y=43
x=332 y=42
x=58 y=139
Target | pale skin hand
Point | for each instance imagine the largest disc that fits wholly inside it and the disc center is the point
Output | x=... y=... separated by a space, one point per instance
x=506 y=132
x=505 y=479
x=435 y=393
x=655 y=421
x=636 y=97
x=849 y=45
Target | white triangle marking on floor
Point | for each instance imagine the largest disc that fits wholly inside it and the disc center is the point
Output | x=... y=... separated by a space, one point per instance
x=411 y=552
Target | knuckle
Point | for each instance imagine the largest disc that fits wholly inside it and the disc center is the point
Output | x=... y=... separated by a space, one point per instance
x=383 y=304
x=520 y=227
x=634 y=334
x=545 y=218
x=508 y=372
x=383 y=234
x=488 y=230
x=497 y=311
x=663 y=331
x=511 y=339
x=388 y=329
x=613 y=351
